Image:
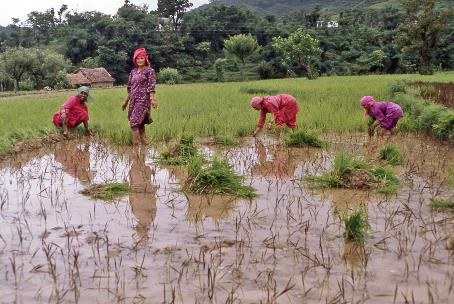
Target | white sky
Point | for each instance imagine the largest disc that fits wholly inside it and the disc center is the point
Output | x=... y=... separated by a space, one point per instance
x=20 y=8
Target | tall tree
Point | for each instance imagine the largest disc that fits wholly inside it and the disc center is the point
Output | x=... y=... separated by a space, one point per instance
x=15 y=62
x=299 y=48
x=173 y=9
x=421 y=31
x=241 y=46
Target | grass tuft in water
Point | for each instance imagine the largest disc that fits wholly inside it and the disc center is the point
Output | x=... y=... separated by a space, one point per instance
x=180 y=153
x=391 y=154
x=303 y=139
x=356 y=226
x=439 y=203
x=108 y=191
x=351 y=172
x=215 y=177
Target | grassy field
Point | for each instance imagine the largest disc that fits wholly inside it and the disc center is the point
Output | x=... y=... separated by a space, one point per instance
x=328 y=104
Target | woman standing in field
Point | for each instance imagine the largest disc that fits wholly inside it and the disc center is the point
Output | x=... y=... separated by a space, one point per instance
x=384 y=113
x=283 y=106
x=141 y=91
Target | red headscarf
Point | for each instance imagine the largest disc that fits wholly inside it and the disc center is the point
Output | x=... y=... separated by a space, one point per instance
x=141 y=52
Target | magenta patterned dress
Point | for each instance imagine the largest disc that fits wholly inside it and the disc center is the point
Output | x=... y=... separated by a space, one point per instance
x=140 y=85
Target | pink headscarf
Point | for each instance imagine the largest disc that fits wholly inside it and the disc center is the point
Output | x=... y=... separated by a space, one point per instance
x=256 y=101
x=141 y=52
x=367 y=101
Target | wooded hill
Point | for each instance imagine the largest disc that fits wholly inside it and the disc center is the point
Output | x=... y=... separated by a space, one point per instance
x=282 y=7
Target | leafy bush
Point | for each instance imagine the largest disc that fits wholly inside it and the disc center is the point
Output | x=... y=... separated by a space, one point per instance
x=398 y=86
x=27 y=85
x=169 y=76
x=219 y=66
x=266 y=70
x=61 y=81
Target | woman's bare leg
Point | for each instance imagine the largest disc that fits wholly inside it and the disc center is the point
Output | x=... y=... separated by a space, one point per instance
x=135 y=136
x=143 y=137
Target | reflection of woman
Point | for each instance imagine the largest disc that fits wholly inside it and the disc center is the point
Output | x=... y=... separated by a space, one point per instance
x=384 y=113
x=281 y=166
x=141 y=90
x=142 y=196
x=75 y=161
x=283 y=106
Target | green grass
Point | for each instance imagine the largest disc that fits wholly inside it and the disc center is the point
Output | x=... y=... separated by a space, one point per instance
x=441 y=203
x=215 y=177
x=328 y=104
x=303 y=139
x=223 y=140
x=356 y=226
x=391 y=154
x=382 y=177
x=108 y=191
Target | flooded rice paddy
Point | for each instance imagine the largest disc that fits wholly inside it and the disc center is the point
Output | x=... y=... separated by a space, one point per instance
x=159 y=245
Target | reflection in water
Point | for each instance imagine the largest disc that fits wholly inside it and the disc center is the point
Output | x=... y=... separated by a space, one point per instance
x=143 y=193
x=280 y=166
x=355 y=254
x=200 y=207
x=75 y=160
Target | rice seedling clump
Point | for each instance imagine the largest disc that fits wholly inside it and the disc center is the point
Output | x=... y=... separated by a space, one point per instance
x=180 y=153
x=215 y=177
x=303 y=139
x=108 y=191
x=356 y=226
x=439 y=203
x=354 y=173
x=391 y=154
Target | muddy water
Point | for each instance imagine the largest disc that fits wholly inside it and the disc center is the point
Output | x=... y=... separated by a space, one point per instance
x=160 y=245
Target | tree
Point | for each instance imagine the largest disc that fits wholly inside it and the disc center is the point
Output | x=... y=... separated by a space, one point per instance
x=299 y=48
x=173 y=9
x=15 y=62
x=421 y=31
x=241 y=46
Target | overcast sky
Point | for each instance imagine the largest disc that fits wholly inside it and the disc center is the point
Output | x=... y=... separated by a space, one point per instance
x=20 y=8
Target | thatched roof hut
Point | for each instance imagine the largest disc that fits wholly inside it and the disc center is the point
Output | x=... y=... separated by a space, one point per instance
x=96 y=77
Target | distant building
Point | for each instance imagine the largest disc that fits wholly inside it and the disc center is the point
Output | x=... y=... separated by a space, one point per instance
x=329 y=24
x=95 y=78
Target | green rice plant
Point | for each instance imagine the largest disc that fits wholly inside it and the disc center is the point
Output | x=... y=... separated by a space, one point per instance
x=329 y=104
x=327 y=180
x=356 y=226
x=345 y=163
x=388 y=180
x=303 y=139
x=180 y=153
x=391 y=154
x=108 y=191
x=438 y=203
x=225 y=140
x=215 y=177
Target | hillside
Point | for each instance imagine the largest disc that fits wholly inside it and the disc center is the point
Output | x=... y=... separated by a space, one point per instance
x=282 y=7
